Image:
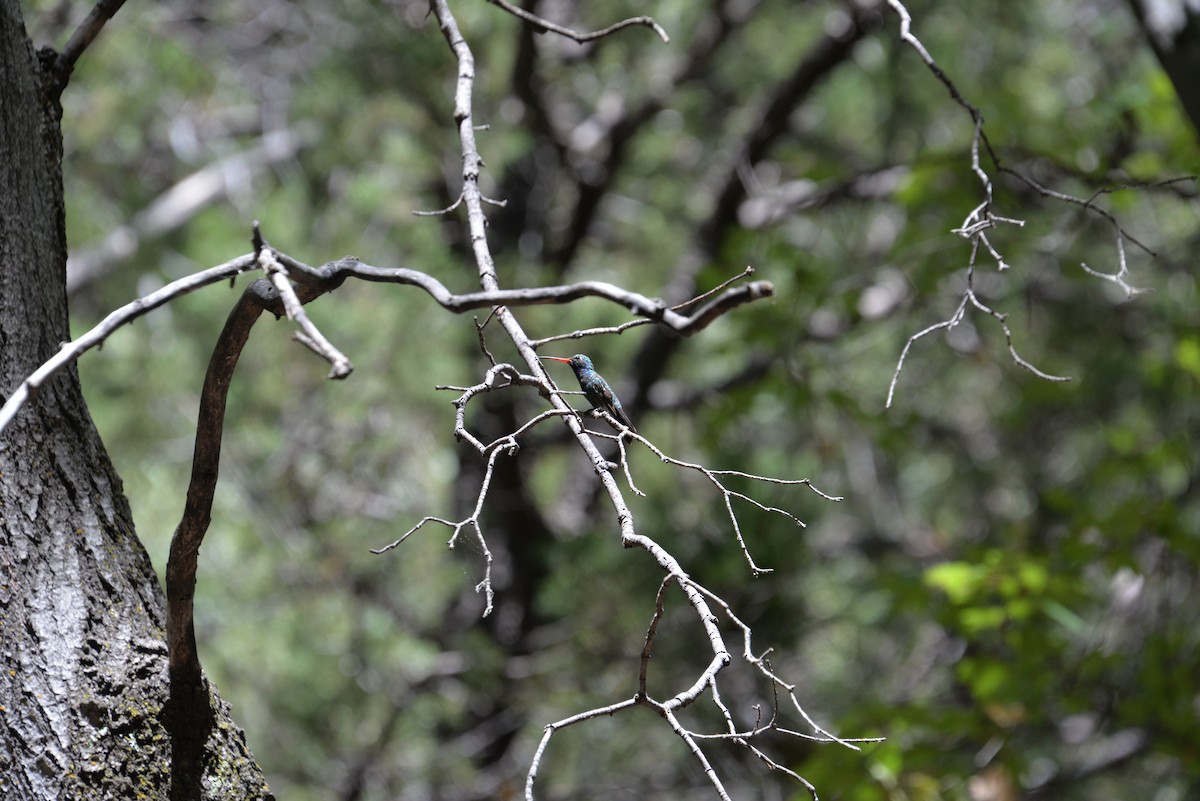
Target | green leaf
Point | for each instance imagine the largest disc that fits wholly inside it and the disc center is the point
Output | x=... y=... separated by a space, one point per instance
x=959 y=580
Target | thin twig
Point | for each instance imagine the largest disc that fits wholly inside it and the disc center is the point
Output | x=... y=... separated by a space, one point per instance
x=70 y=351
x=547 y=25
x=591 y=332
x=749 y=271
x=440 y=212
x=536 y=762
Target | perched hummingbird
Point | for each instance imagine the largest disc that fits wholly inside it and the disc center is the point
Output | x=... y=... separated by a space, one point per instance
x=595 y=388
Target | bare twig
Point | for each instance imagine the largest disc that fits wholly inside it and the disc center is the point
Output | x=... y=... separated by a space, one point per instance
x=591 y=332
x=547 y=25
x=972 y=298
x=949 y=323
x=1120 y=275
x=308 y=335
x=536 y=762
x=761 y=664
x=70 y=351
x=440 y=212
x=506 y=445
x=727 y=496
x=981 y=219
x=749 y=271
x=623 y=327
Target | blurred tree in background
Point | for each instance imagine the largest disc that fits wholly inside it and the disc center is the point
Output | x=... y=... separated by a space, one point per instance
x=1008 y=592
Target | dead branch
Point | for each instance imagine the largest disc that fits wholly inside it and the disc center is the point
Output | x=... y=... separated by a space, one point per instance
x=544 y=25
x=315 y=281
x=70 y=351
x=604 y=470
x=981 y=219
x=83 y=36
x=189 y=712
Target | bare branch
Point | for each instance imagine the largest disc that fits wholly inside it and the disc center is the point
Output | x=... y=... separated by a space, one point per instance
x=623 y=327
x=603 y=711
x=977 y=222
x=440 y=212
x=650 y=308
x=694 y=747
x=651 y=631
x=308 y=335
x=507 y=446
x=70 y=351
x=317 y=281
x=1119 y=276
x=969 y=297
x=591 y=332
x=189 y=715
x=420 y=524
x=727 y=495
x=760 y=663
x=981 y=219
x=546 y=25
x=1003 y=320
x=83 y=36
x=953 y=320
x=705 y=295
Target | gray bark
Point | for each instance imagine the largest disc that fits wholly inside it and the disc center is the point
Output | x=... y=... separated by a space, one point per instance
x=83 y=660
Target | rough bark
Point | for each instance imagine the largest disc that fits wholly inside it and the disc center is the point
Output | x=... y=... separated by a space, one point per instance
x=83 y=660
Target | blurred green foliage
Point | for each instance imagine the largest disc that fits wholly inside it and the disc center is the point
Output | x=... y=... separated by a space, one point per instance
x=1008 y=592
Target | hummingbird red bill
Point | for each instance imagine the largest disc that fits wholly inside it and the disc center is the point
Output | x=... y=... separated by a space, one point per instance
x=595 y=388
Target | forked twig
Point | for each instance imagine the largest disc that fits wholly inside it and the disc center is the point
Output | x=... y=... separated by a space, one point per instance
x=308 y=335
x=981 y=219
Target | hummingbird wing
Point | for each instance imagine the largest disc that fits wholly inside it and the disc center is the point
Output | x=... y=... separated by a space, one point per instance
x=613 y=406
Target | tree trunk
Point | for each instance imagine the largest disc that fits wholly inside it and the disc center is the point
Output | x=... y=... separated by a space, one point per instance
x=83 y=661
x=1173 y=29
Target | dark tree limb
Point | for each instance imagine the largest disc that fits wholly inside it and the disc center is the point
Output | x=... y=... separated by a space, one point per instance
x=592 y=186
x=331 y=275
x=822 y=59
x=189 y=711
x=83 y=36
x=1175 y=38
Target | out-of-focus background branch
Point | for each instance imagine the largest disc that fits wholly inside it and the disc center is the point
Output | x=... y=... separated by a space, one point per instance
x=1008 y=591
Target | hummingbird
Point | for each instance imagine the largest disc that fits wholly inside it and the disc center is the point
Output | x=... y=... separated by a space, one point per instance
x=595 y=388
